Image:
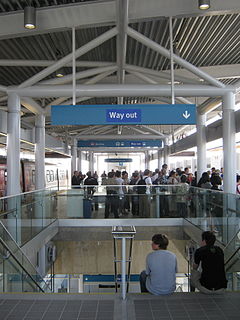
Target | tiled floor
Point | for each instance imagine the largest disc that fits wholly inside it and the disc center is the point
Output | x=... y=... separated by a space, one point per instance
x=185 y=306
x=56 y=310
x=179 y=306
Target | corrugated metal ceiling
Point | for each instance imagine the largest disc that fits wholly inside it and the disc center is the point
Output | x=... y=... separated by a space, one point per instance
x=202 y=40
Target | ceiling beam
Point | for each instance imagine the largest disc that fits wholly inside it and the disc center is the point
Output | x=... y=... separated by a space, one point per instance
x=118 y=90
x=160 y=74
x=122 y=23
x=47 y=63
x=86 y=14
x=80 y=75
x=32 y=105
x=119 y=137
x=185 y=64
x=79 y=52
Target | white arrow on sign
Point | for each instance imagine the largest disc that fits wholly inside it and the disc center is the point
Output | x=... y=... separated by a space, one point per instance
x=186 y=115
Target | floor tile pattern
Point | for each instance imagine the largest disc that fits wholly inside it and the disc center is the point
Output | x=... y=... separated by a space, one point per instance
x=56 y=310
x=178 y=306
x=199 y=307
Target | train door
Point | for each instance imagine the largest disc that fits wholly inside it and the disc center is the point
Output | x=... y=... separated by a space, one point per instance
x=3 y=180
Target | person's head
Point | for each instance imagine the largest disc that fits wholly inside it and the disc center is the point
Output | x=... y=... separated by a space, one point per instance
x=205 y=177
x=111 y=174
x=89 y=174
x=118 y=174
x=135 y=175
x=124 y=174
x=186 y=170
x=75 y=173
x=159 y=241
x=146 y=172
x=172 y=173
x=164 y=166
x=215 y=180
x=208 y=238
x=183 y=178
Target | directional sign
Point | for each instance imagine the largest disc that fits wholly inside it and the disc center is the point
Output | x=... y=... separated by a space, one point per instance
x=119 y=143
x=118 y=160
x=124 y=114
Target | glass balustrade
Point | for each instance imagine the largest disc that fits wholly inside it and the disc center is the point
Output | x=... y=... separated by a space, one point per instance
x=27 y=214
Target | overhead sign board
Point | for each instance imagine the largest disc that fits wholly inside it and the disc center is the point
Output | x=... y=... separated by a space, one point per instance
x=119 y=143
x=123 y=114
x=112 y=160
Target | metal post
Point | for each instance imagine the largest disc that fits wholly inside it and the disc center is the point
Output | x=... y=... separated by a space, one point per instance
x=229 y=144
x=166 y=152
x=74 y=156
x=124 y=268
x=79 y=166
x=230 y=222
x=74 y=65
x=159 y=159
x=171 y=59
x=40 y=151
x=201 y=145
x=13 y=145
x=91 y=161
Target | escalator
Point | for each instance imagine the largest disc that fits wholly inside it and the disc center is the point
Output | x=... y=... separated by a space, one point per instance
x=17 y=274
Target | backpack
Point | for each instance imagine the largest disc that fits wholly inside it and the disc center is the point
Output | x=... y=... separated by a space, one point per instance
x=141 y=189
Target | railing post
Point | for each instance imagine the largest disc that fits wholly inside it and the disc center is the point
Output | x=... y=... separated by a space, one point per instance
x=123 y=268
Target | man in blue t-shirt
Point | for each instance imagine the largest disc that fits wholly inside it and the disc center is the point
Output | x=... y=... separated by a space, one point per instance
x=161 y=267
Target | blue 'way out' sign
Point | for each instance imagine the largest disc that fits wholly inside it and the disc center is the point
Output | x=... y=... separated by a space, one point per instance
x=123 y=114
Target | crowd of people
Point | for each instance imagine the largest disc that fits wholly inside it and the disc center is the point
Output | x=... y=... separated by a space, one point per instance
x=133 y=194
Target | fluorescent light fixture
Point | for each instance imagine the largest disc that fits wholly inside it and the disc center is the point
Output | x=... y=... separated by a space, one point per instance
x=29 y=17
x=203 y=4
x=59 y=73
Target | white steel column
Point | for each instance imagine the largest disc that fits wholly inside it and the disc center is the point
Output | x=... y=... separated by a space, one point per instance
x=91 y=161
x=74 y=155
x=171 y=59
x=13 y=145
x=201 y=145
x=229 y=144
x=123 y=268
x=146 y=160
x=40 y=151
x=74 y=64
x=166 y=152
x=159 y=159
x=79 y=161
x=66 y=150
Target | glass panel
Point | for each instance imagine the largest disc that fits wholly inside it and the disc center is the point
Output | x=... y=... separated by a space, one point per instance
x=27 y=214
x=95 y=283
x=19 y=267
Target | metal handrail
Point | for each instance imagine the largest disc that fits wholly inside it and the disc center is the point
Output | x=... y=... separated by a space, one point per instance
x=120 y=233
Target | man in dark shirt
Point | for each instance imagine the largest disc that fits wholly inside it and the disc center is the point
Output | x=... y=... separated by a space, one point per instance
x=212 y=279
x=75 y=179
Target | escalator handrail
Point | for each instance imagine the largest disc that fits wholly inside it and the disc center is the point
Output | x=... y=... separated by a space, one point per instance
x=232 y=239
x=19 y=263
x=18 y=247
x=232 y=256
